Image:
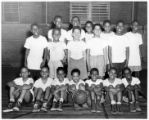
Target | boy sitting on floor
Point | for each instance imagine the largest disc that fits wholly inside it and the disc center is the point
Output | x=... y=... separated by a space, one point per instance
x=20 y=90
x=42 y=89
x=132 y=88
x=59 y=88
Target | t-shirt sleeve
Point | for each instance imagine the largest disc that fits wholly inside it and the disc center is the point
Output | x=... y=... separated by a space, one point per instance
x=27 y=44
x=140 y=39
x=82 y=34
x=36 y=84
x=31 y=81
x=45 y=42
x=16 y=81
x=50 y=34
x=137 y=81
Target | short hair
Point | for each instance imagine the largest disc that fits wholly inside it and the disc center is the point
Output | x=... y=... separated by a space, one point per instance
x=75 y=71
x=60 y=69
x=134 y=21
x=45 y=67
x=75 y=17
x=76 y=27
x=34 y=24
x=127 y=68
x=56 y=29
x=120 y=21
x=97 y=24
x=106 y=21
x=24 y=68
x=57 y=16
x=113 y=68
x=89 y=22
x=94 y=69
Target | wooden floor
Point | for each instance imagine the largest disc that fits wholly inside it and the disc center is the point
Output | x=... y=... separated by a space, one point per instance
x=9 y=74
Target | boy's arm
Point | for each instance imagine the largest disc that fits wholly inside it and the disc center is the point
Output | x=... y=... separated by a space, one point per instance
x=26 y=56
x=44 y=57
x=127 y=56
x=48 y=55
x=27 y=87
x=88 y=59
x=64 y=61
x=84 y=55
x=110 y=55
x=12 y=84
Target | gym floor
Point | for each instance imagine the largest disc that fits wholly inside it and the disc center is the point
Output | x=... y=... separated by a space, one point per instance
x=9 y=73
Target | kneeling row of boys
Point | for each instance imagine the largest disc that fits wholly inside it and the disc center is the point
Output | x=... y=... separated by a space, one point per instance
x=25 y=90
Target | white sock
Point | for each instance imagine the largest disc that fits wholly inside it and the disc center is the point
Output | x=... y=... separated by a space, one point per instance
x=61 y=100
x=12 y=100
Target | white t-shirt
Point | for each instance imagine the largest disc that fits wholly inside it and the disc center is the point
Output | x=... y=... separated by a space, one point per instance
x=36 y=46
x=134 y=41
x=119 y=44
x=62 y=37
x=76 y=84
x=88 y=37
x=135 y=81
x=116 y=82
x=56 y=50
x=69 y=35
x=96 y=46
x=97 y=82
x=39 y=83
x=76 y=49
x=57 y=82
x=19 y=81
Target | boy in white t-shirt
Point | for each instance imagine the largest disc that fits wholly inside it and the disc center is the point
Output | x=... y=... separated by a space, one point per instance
x=96 y=51
x=89 y=31
x=114 y=87
x=118 y=49
x=41 y=89
x=36 y=52
x=20 y=89
x=135 y=41
x=57 y=53
x=132 y=88
x=77 y=54
x=94 y=86
x=107 y=35
x=75 y=85
x=58 y=24
x=59 y=86
x=75 y=22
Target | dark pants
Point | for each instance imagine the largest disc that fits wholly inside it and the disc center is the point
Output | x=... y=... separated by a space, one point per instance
x=35 y=74
x=119 y=67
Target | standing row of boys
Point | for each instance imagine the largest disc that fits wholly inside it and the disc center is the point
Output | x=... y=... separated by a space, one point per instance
x=94 y=51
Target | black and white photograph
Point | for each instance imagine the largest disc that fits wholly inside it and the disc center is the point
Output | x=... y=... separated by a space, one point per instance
x=74 y=59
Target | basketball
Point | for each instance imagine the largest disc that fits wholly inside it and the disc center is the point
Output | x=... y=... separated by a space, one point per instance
x=80 y=97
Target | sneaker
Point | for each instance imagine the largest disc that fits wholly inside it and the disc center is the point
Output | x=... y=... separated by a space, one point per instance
x=60 y=107
x=44 y=107
x=54 y=106
x=98 y=107
x=119 y=111
x=132 y=107
x=36 y=108
x=138 y=108
x=17 y=106
x=93 y=106
x=77 y=107
x=10 y=105
x=113 y=109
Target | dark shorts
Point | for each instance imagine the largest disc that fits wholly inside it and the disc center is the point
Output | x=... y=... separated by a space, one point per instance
x=35 y=74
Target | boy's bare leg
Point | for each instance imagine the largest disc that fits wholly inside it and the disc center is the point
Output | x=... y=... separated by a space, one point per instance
x=11 y=94
x=119 y=99
x=113 y=102
x=93 y=101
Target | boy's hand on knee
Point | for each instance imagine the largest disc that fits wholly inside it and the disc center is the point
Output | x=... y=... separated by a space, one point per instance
x=130 y=88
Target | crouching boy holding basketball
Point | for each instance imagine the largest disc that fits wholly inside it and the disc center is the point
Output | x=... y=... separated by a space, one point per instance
x=114 y=87
x=94 y=86
x=20 y=90
x=59 y=89
x=77 y=90
x=42 y=89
